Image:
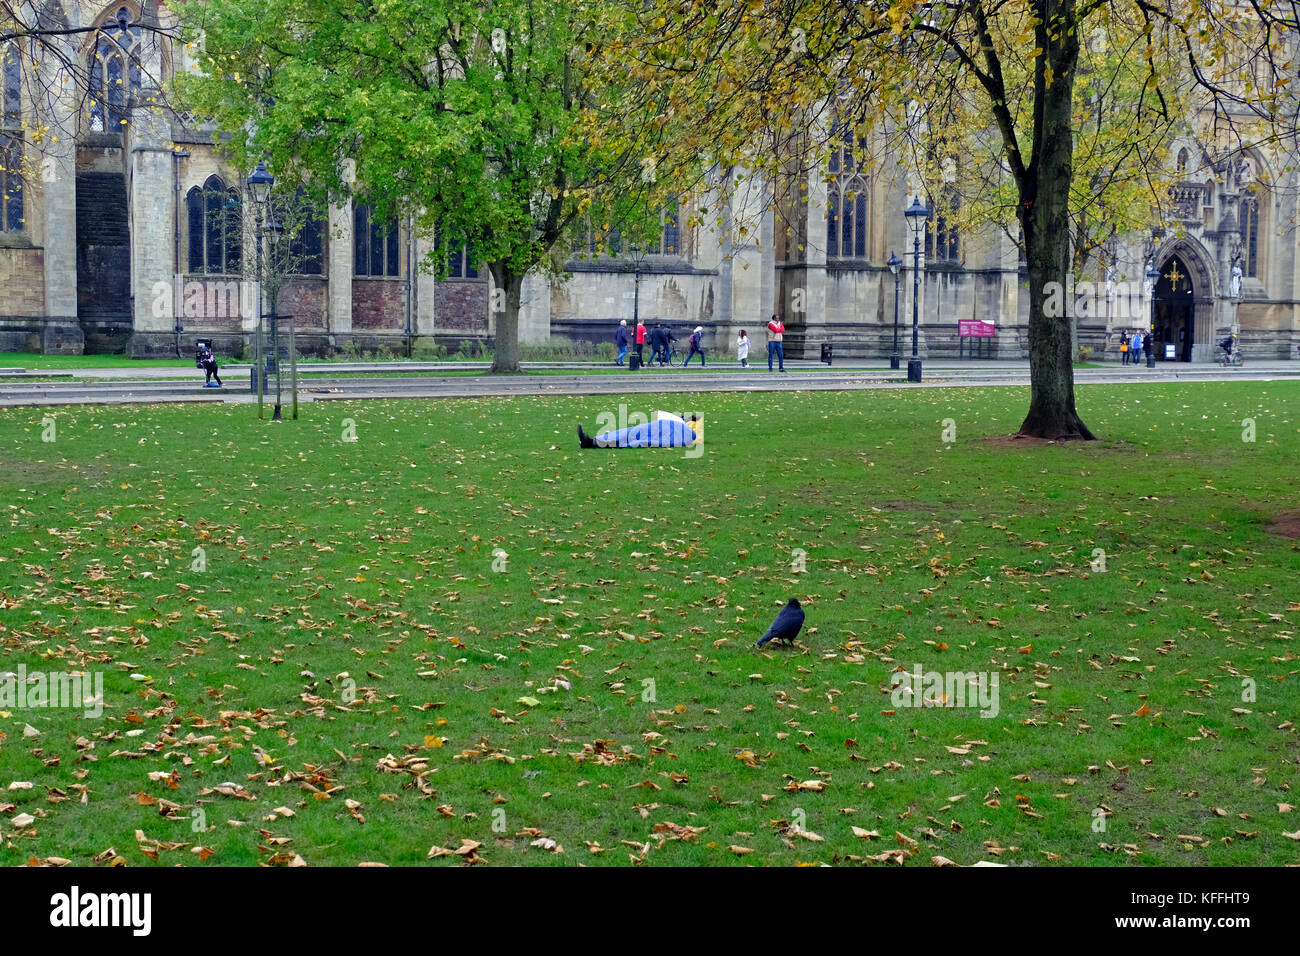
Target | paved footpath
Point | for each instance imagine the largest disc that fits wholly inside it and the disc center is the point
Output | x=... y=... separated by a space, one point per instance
x=339 y=381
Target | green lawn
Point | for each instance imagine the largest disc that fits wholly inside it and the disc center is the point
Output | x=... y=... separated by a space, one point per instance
x=38 y=362
x=349 y=659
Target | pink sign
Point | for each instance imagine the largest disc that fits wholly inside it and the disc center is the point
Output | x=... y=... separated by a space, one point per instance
x=975 y=328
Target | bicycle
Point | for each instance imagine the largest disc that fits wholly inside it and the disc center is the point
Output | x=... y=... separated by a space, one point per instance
x=1233 y=359
x=674 y=356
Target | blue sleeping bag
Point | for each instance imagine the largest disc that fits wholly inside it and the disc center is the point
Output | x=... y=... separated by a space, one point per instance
x=664 y=433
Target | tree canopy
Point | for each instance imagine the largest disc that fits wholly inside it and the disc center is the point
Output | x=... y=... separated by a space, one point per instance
x=1059 y=111
x=469 y=118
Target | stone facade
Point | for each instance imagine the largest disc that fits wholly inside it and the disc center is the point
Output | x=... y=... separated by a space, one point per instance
x=109 y=256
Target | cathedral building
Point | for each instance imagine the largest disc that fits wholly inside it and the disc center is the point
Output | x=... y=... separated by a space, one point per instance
x=122 y=229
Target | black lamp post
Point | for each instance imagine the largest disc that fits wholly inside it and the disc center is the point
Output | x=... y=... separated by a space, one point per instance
x=637 y=256
x=1153 y=276
x=916 y=215
x=894 y=264
x=259 y=186
x=273 y=230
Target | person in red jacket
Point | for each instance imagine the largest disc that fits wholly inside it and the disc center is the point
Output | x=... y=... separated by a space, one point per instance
x=640 y=342
x=775 y=332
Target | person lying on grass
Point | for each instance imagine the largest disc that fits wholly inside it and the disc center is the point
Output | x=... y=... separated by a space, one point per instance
x=667 y=431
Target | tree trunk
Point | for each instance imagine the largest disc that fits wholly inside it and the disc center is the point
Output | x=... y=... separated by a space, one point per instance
x=509 y=285
x=1045 y=220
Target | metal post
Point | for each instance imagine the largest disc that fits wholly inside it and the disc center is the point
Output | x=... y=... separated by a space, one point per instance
x=914 y=364
x=275 y=350
x=260 y=370
x=293 y=369
x=893 y=359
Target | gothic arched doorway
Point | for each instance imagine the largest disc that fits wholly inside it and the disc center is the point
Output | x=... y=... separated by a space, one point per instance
x=1173 y=314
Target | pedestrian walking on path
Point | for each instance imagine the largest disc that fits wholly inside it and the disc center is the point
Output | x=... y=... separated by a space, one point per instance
x=620 y=339
x=696 y=338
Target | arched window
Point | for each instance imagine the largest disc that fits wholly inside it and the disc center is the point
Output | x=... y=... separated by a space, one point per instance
x=306 y=242
x=846 y=200
x=833 y=226
x=1182 y=161
x=670 y=236
x=11 y=112
x=942 y=240
x=11 y=140
x=460 y=261
x=374 y=244
x=114 y=72
x=1250 y=235
x=216 y=224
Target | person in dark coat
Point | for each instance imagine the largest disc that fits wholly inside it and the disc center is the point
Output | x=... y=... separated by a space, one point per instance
x=658 y=344
x=697 y=338
x=620 y=339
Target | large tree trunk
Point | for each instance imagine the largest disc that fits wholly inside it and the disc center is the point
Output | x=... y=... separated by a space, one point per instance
x=510 y=284
x=1045 y=220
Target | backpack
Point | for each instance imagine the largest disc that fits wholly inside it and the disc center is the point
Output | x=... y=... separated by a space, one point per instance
x=695 y=339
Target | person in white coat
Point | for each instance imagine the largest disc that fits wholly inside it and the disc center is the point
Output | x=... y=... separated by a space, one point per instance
x=742 y=349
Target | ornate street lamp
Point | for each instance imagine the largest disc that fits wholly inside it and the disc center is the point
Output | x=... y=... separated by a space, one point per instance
x=916 y=215
x=894 y=264
x=260 y=183
x=638 y=256
x=259 y=186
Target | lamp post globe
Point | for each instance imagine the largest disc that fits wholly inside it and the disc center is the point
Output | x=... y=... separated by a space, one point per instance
x=894 y=264
x=260 y=183
x=917 y=214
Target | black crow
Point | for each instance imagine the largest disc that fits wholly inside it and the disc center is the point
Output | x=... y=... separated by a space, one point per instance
x=787 y=624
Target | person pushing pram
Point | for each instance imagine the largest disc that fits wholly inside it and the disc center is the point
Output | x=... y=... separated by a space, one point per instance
x=204 y=359
x=1230 y=350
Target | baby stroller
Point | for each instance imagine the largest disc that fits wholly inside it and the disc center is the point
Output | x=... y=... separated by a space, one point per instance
x=205 y=360
x=1231 y=354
